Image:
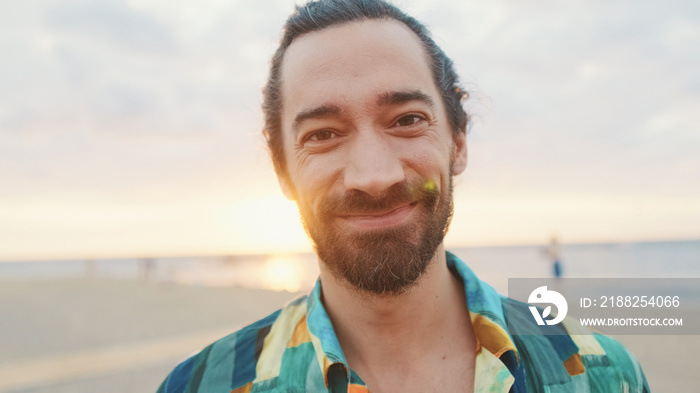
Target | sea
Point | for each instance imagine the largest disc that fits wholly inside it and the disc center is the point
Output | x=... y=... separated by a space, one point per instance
x=298 y=272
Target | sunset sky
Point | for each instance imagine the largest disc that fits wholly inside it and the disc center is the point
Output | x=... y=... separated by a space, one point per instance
x=132 y=128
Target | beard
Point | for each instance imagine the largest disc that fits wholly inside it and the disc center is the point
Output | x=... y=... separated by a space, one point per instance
x=381 y=261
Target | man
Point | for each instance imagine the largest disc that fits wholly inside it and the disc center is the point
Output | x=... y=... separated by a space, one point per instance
x=366 y=129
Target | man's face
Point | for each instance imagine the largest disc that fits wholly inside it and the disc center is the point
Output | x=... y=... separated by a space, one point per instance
x=369 y=152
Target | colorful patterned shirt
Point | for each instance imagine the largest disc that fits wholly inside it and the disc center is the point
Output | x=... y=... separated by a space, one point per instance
x=295 y=349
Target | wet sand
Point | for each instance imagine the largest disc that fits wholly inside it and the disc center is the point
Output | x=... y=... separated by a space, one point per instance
x=86 y=335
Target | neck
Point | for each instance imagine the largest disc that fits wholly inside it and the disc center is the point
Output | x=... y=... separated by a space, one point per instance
x=374 y=329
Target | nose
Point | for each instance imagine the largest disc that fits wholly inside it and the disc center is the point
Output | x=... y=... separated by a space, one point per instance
x=373 y=166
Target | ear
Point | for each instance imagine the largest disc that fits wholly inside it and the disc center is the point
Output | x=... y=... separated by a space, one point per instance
x=287 y=187
x=459 y=163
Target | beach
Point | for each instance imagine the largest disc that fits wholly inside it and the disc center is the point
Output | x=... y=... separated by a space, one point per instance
x=109 y=335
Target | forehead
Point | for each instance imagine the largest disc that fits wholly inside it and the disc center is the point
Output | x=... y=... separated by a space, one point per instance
x=352 y=61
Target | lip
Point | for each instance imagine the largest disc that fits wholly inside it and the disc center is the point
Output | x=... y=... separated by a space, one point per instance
x=380 y=220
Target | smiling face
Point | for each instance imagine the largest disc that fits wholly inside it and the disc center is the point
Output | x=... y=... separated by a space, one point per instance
x=369 y=152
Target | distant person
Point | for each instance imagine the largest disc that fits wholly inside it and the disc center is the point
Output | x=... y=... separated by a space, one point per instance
x=553 y=254
x=365 y=124
x=147 y=268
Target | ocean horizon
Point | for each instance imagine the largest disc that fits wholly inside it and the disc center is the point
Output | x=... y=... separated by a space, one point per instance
x=298 y=271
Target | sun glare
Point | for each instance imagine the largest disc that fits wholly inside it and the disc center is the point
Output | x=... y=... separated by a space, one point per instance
x=265 y=224
x=282 y=274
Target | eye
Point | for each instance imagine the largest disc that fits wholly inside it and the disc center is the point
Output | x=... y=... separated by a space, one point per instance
x=409 y=120
x=320 y=136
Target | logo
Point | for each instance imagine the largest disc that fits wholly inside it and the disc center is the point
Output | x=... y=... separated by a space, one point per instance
x=542 y=295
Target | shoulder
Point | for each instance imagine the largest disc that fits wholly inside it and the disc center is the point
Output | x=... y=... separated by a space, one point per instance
x=571 y=357
x=225 y=364
x=617 y=364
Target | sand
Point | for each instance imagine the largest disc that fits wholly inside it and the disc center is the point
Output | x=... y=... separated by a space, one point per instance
x=86 y=335
x=78 y=334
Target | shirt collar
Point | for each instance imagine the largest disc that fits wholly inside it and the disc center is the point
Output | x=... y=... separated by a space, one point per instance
x=323 y=338
x=486 y=311
x=481 y=297
x=483 y=302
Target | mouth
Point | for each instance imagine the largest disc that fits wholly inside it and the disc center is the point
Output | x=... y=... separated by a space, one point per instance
x=381 y=219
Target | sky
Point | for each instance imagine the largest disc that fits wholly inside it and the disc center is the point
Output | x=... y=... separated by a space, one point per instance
x=133 y=128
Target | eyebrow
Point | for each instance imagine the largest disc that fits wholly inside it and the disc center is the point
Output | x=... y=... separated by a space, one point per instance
x=402 y=97
x=314 y=113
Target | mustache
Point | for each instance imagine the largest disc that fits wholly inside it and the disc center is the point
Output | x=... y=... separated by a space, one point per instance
x=356 y=201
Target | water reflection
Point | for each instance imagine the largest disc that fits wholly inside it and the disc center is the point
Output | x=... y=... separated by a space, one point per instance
x=298 y=272
x=291 y=273
x=283 y=273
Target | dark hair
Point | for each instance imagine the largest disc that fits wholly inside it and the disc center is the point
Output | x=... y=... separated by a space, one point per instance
x=320 y=14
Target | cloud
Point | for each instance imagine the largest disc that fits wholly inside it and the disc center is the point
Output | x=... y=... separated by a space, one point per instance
x=586 y=97
x=111 y=22
x=106 y=99
x=155 y=99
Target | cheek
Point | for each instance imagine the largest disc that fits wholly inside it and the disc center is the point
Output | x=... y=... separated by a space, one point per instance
x=429 y=161
x=315 y=178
